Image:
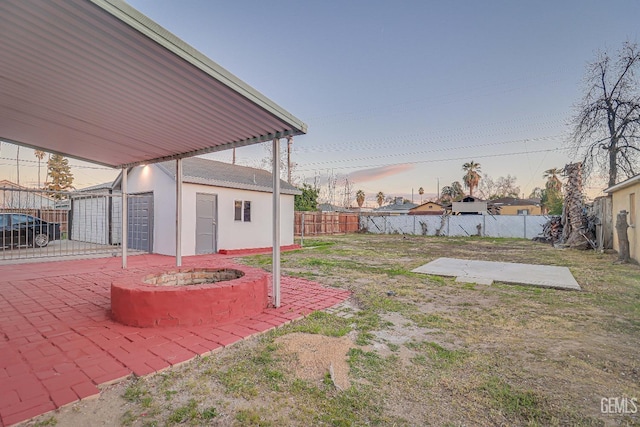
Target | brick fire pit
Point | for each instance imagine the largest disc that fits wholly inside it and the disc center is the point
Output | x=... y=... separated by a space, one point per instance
x=189 y=296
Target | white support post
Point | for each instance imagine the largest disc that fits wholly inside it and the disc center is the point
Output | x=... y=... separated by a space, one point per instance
x=178 y=212
x=276 y=222
x=125 y=226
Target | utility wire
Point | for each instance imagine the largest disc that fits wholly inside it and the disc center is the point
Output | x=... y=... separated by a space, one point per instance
x=435 y=150
x=436 y=160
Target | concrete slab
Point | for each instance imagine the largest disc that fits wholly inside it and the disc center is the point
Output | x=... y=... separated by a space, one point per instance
x=474 y=279
x=478 y=271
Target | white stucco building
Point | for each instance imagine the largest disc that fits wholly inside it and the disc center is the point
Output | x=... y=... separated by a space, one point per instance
x=224 y=207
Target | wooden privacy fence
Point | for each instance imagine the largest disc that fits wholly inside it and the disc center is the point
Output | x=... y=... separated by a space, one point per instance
x=319 y=223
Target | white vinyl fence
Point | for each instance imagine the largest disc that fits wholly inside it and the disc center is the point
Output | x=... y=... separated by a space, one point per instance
x=517 y=226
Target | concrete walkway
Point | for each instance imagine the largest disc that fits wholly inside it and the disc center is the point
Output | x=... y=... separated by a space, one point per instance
x=58 y=343
x=485 y=272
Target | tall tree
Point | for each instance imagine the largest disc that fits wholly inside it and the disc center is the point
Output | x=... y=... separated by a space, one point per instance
x=308 y=200
x=471 y=178
x=536 y=193
x=420 y=192
x=453 y=192
x=606 y=133
x=553 y=180
x=457 y=191
x=360 y=198
x=39 y=155
x=380 y=198
x=60 y=176
x=551 y=199
x=504 y=186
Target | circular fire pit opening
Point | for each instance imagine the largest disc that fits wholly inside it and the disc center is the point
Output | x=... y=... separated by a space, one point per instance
x=189 y=296
x=192 y=277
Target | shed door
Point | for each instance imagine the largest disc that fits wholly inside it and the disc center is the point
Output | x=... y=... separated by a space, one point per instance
x=140 y=222
x=206 y=223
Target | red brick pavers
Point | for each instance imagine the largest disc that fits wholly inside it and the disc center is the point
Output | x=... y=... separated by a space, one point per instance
x=58 y=342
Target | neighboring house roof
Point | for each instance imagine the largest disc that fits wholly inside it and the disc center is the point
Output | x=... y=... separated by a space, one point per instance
x=196 y=170
x=439 y=209
x=513 y=201
x=624 y=184
x=396 y=207
x=8 y=184
x=23 y=197
x=427 y=203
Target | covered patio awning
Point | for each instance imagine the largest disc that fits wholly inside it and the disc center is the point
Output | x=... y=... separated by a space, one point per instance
x=97 y=80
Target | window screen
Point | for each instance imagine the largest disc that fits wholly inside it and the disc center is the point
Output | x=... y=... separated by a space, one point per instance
x=238 y=210
x=247 y=211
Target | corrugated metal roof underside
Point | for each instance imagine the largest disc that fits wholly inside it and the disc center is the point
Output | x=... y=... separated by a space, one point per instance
x=76 y=78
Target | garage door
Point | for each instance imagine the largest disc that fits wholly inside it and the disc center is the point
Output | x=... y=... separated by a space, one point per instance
x=140 y=222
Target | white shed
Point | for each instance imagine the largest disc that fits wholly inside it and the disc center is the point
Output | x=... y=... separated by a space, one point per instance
x=224 y=207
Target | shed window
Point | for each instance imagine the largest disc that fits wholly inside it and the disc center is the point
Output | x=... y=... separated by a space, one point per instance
x=632 y=209
x=242 y=210
x=247 y=211
x=238 y=210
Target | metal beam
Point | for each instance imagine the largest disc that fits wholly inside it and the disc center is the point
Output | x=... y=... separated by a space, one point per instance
x=178 y=212
x=276 y=222
x=125 y=232
x=208 y=150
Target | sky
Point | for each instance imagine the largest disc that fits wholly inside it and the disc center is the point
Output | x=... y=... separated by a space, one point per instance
x=397 y=95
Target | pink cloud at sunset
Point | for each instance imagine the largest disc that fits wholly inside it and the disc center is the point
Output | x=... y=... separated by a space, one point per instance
x=373 y=174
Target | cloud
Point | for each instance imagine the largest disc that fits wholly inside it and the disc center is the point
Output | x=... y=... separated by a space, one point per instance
x=373 y=174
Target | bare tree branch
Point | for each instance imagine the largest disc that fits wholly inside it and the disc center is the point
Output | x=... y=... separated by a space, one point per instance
x=606 y=134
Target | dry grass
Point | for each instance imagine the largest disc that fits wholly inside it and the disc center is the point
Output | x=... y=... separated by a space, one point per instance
x=427 y=350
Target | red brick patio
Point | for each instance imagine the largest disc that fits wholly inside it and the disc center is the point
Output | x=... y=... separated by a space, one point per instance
x=58 y=342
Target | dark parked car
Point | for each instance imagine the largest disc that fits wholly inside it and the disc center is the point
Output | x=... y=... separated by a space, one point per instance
x=25 y=230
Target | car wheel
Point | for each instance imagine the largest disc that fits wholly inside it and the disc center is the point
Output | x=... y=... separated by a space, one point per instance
x=41 y=240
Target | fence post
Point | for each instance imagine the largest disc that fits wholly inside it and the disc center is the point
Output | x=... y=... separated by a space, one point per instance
x=525 y=225
x=302 y=230
x=484 y=226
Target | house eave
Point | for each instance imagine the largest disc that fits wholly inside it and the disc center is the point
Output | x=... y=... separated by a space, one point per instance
x=624 y=184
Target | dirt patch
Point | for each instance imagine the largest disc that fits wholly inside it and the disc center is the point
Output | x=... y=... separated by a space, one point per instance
x=316 y=355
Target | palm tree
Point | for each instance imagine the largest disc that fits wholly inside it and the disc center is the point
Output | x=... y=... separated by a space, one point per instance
x=553 y=182
x=452 y=192
x=420 y=192
x=446 y=194
x=472 y=176
x=360 y=198
x=40 y=155
x=380 y=198
x=457 y=192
